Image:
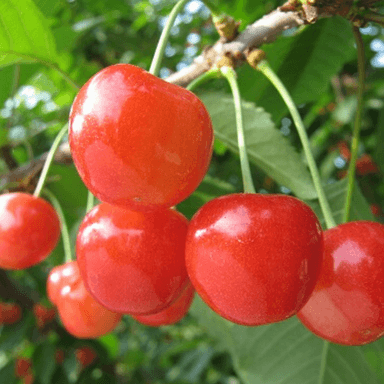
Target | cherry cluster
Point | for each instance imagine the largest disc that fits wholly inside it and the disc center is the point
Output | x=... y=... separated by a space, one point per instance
x=142 y=145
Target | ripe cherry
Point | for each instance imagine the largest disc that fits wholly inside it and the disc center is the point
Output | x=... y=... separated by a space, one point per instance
x=80 y=313
x=138 y=141
x=29 y=230
x=133 y=262
x=347 y=305
x=43 y=315
x=85 y=356
x=10 y=313
x=171 y=315
x=23 y=367
x=254 y=259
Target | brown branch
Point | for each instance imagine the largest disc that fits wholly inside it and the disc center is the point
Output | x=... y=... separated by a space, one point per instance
x=263 y=31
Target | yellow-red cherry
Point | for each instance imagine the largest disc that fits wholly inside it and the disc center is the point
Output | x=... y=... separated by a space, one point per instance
x=133 y=262
x=29 y=230
x=138 y=141
x=254 y=259
x=347 y=304
x=171 y=315
x=80 y=313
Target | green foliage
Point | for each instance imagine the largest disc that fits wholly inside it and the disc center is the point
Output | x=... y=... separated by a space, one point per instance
x=44 y=43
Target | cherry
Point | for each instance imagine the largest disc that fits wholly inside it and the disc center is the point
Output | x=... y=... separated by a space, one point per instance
x=171 y=315
x=29 y=230
x=43 y=315
x=138 y=141
x=85 y=356
x=254 y=259
x=10 y=313
x=347 y=305
x=59 y=356
x=133 y=262
x=23 y=367
x=80 y=313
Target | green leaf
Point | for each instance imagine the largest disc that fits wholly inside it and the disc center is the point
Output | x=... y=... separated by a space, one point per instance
x=44 y=362
x=12 y=335
x=7 y=373
x=24 y=34
x=266 y=146
x=305 y=64
x=336 y=193
x=287 y=353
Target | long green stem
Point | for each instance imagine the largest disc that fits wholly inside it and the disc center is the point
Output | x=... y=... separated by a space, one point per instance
x=211 y=74
x=160 y=49
x=63 y=225
x=49 y=160
x=357 y=123
x=268 y=72
x=230 y=75
x=90 y=201
x=323 y=364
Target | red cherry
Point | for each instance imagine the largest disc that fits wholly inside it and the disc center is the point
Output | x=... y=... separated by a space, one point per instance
x=85 y=356
x=10 y=313
x=171 y=315
x=347 y=305
x=23 y=366
x=138 y=141
x=80 y=313
x=133 y=262
x=29 y=378
x=366 y=165
x=254 y=259
x=59 y=356
x=29 y=230
x=43 y=315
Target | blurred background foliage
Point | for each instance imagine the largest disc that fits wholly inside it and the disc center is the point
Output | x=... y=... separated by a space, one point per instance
x=318 y=65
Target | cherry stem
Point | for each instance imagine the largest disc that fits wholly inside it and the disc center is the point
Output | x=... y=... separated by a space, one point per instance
x=264 y=67
x=63 y=225
x=49 y=159
x=90 y=201
x=160 y=49
x=323 y=363
x=230 y=74
x=161 y=45
x=213 y=73
x=357 y=123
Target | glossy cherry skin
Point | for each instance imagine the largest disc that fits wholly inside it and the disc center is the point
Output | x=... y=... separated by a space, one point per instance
x=80 y=313
x=133 y=262
x=138 y=141
x=29 y=230
x=171 y=315
x=347 y=304
x=254 y=259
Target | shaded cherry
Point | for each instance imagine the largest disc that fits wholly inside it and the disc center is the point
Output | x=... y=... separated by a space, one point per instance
x=80 y=313
x=43 y=314
x=171 y=315
x=133 y=262
x=10 y=313
x=85 y=356
x=29 y=230
x=138 y=141
x=23 y=367
x=254 y=259
x=347 y=305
